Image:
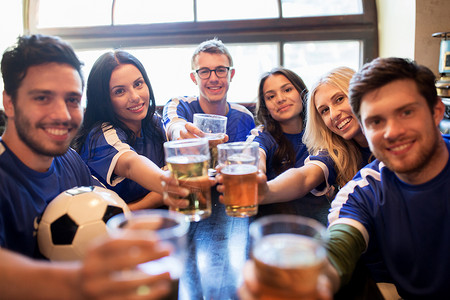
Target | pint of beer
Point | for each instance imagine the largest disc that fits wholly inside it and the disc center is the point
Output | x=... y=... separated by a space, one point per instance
x=188 y=162
x=239 y=163
x=289 y=253
x=171 y=229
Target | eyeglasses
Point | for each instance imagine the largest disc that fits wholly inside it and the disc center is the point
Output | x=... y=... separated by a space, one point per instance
x=205 y=73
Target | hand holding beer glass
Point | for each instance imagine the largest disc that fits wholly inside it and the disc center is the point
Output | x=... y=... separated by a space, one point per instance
x=288 y=253
x=214 y=127
x=239 y=168
x=188 y=162
x=170 y=229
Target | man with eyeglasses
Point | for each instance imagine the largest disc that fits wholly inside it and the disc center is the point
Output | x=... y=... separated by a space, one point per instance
x=213 y=71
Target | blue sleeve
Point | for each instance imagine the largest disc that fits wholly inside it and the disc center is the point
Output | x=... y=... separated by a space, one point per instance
x=103 y=152
x=446 y=138
x=323 y=161
x=180 y=107
x=358 y=197
x=267 y=143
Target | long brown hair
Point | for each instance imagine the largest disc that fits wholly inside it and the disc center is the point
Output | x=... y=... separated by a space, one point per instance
x=285 y=150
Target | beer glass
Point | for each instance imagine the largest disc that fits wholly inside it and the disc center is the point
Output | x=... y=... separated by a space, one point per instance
x=170 y=228
x=188 y=162
x=239 y=168
x=214 y=127
x=288 y=252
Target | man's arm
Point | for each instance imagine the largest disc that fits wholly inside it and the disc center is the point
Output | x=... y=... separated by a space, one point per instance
x=174 y=119
x=174 y=129
x=93 y=278
x=345 y=245
x=24 y=278
x=344 y=248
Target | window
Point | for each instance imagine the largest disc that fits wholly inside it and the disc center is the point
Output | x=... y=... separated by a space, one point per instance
x=309 y=37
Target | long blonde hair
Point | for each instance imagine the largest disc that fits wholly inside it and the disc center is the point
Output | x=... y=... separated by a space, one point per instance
x=317 y=137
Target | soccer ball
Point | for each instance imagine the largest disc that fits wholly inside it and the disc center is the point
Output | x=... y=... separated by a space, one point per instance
x=74 y=218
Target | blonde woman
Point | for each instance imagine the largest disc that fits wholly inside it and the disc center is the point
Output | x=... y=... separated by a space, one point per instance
x=335 y=141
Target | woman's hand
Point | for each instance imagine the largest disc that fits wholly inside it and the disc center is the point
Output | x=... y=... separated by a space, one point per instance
x=252 y=289
x=261 y=178
x=175 y=195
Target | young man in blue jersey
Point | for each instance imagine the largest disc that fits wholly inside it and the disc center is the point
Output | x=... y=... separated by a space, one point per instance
x=212 y=72
x=42 y=101
x=395 y=213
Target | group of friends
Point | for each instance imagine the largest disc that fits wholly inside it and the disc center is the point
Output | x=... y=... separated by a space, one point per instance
x=368 y=140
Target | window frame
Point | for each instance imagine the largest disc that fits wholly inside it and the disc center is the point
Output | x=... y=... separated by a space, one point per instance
x=362 y=27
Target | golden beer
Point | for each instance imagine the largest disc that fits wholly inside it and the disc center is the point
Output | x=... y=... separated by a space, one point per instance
x=192 y=173
x=284 y=260
x=241 y=190
x=241 y=158
x=170 y=228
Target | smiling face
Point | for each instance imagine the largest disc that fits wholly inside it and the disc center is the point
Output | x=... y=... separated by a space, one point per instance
x=401 y=130
x=47 y=112
x=213 y=89
x=282 y=100
x=332 y=105
x=129 y=96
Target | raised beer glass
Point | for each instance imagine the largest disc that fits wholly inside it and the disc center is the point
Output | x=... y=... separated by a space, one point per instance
x=170 y=228
x=188 y=162
x=288 y=252
x=239 y=168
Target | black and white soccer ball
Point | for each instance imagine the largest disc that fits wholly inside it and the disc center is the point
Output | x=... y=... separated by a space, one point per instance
x=74 y=218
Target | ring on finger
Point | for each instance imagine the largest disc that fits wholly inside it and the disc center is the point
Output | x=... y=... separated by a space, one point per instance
x=143 y=290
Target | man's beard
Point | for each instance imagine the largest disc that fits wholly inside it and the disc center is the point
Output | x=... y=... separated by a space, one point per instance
x=24 y=130
x=422 y=159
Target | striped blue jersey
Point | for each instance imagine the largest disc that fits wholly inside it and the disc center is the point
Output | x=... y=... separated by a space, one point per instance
x=406 y=228
x=239 y=119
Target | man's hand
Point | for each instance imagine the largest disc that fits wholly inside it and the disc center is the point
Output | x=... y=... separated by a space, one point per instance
x=253 y=289
x=108 y=270
x=190 y=131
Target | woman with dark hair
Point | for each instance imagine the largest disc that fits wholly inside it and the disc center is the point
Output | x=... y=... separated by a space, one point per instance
x=281 y=110
x=121 y=139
